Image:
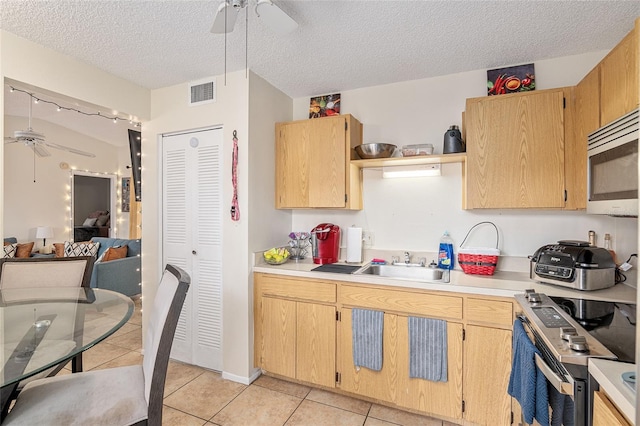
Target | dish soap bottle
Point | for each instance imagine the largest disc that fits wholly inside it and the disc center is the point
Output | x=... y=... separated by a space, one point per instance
x=445 y=253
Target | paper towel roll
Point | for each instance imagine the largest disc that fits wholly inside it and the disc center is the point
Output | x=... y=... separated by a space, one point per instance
x=354 y=245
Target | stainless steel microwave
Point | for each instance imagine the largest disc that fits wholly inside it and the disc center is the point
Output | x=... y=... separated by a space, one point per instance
x=612 y=168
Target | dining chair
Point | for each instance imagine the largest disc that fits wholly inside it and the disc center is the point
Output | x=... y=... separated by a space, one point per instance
x=129 y=395
x=35 y=272
x=38 y=272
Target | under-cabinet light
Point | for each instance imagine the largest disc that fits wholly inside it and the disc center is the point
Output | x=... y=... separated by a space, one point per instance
x=420 y=170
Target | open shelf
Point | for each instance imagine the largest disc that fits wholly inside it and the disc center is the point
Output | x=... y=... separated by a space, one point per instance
x=411 y=161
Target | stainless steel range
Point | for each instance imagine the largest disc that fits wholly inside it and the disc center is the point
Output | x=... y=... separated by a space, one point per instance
x=568 y=332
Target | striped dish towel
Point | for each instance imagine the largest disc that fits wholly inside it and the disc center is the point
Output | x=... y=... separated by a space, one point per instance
x=428 y=349
x=367 y=326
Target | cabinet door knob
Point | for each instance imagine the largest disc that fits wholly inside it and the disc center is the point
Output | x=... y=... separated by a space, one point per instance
x=194 y=252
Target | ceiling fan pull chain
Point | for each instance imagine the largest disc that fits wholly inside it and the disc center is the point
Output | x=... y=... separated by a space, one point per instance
x=235 y=208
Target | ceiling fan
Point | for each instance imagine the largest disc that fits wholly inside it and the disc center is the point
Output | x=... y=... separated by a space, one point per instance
x=37 y=142
x=272 y=15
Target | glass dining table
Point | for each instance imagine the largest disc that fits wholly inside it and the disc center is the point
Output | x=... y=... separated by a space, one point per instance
x=41 y=328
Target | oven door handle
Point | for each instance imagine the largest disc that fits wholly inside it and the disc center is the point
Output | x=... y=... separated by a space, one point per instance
x=563 y=386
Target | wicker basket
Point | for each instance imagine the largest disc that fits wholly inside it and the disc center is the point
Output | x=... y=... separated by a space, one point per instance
x=479 y=260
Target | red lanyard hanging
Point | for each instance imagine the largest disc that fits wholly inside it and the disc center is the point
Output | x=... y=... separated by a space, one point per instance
x=235 y=209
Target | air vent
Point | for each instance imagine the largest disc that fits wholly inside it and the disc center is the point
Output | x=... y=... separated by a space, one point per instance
x=202 y=92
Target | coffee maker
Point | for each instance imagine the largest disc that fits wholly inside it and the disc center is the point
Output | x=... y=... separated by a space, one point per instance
x=325 y=243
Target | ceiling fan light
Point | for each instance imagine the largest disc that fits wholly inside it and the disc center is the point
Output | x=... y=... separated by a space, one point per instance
x=231 y=13
x=275 y=17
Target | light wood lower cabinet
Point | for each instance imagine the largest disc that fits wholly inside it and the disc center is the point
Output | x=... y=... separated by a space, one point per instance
x=605 y=413
x=487 y=365
x=381 y=384
x=297 y=336
x=438 y=398
x=294 y=336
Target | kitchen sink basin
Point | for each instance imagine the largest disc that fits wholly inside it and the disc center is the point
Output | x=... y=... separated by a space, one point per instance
x=416 y=273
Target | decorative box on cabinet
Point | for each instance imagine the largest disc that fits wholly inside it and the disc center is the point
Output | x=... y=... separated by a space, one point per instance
x=313 y=163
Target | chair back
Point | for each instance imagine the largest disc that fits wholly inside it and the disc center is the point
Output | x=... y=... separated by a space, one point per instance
x=33 y=272
x=161 y=328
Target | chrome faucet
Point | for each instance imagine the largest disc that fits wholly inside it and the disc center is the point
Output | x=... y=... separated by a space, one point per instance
x=407 y=257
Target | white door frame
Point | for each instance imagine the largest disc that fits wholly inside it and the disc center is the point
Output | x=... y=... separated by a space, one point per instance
x=195 y=356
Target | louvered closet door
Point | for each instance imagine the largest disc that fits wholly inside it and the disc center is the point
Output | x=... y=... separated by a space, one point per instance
x=192 y=239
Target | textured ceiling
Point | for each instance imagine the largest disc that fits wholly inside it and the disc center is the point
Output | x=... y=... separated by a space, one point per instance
x=339 y=45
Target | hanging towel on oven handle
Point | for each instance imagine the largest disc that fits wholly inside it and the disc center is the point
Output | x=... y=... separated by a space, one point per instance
x=527 y=384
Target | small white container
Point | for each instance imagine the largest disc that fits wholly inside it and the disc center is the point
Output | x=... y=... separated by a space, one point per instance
x=417 y=149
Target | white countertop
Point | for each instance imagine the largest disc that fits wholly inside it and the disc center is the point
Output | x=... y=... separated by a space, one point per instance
x=608 y=374
x=502 y=283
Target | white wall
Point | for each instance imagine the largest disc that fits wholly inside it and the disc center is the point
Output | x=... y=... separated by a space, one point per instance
x=412 y=214
x=28 y=204
x=267 y=226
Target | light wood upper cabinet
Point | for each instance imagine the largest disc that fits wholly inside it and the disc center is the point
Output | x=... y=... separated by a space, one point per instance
x=515 y=150
x=586 y=113
x=619 y=80
x=313 y=163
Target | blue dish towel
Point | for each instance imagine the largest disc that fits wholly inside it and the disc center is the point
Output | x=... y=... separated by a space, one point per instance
x=561 y=408
x=428 y=349
x=367 y=326
x=527 y=384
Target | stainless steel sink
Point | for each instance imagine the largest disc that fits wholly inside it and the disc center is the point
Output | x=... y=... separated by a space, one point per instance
x=415 y=273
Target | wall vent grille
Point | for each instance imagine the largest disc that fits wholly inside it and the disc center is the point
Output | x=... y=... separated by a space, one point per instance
x=202 y=92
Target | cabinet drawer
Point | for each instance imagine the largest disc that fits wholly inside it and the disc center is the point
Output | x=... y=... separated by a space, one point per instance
x=403 y=301
x=297 y=288
x=489 y=311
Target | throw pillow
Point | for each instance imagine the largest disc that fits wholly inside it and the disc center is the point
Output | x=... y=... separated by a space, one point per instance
x=114 y=253
x=80 y=249
x=59 y=249
x=90 y=221
x=97 y=214
x=102 y=220
x=10 y=250
x=24 y=250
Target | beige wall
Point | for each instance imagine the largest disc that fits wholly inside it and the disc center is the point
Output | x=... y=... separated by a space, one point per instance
x=412 y=214
x=28 y=204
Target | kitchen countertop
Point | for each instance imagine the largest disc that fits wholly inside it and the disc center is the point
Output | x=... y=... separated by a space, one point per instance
x=502 y=283
x=608 y=375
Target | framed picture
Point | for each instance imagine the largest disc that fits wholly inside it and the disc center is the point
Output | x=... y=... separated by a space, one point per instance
x=126 y=193
x=324 y=106
x=520 y=78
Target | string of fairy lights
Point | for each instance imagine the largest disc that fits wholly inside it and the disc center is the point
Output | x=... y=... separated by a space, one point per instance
x=59 y=108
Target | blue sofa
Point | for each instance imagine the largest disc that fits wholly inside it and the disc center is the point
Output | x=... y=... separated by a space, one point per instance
x=121 y=275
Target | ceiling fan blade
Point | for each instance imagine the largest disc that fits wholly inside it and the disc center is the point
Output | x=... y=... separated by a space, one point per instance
x=10 y=140
x=69 y=149
x=231 y=13
x=40 y=150
x=275 y=17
